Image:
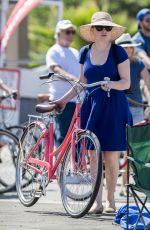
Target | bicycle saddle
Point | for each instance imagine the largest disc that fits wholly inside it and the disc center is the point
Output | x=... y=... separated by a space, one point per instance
x=41 y=108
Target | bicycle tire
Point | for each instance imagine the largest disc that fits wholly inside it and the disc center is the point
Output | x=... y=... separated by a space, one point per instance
x=8 y=155
x=27 y=180
x=80 y=178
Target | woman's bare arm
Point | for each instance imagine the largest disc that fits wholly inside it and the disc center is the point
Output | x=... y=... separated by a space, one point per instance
x=146 y=77
x=145 y=58
x=124 y=73
x=82 y=78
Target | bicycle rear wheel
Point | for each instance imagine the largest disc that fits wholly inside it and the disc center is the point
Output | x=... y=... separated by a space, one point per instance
x=8 y=155
x=80 y=175
x=17 y=130
x=28 y=182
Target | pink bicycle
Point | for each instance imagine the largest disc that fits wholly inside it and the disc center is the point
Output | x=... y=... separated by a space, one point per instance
x=79 y=157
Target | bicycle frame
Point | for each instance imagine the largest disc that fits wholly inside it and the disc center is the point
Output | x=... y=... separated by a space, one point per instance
x=49 y=154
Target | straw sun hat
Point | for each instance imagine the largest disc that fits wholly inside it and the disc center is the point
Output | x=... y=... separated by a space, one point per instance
x=101 y=19
x=125 y=40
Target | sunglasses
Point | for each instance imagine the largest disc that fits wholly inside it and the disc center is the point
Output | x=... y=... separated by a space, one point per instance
x=69 y=32
x=147 y=20
x=100 y=28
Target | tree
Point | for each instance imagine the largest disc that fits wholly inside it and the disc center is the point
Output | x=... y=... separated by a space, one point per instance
x=42 y=21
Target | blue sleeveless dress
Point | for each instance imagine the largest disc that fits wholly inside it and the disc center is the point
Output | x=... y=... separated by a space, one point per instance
x=105 y=116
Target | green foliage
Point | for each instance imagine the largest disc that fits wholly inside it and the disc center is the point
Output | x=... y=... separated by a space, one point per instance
x=79 y=17
x=73 y=3
x=42 y=21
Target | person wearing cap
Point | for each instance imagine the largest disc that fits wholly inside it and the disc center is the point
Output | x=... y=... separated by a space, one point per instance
x=143 y=36
x=63 y=59
x=138 y=71
x=105 y=115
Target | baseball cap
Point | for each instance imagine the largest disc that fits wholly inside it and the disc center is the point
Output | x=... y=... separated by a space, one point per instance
x=63 y=25
x=142 y=13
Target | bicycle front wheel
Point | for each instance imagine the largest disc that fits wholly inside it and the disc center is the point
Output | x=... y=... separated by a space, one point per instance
x=81 y=174
x=8 y=154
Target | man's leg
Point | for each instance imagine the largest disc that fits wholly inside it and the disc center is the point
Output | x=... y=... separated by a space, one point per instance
x=63 y=122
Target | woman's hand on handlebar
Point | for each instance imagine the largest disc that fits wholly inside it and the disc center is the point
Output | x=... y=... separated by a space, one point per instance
x=106 y=87
x=60 y=104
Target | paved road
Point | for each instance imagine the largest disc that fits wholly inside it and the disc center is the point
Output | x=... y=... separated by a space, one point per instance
x=49 y=214
x=13 y=216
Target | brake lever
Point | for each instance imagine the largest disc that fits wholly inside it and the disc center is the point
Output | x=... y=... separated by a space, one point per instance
x=107 y=79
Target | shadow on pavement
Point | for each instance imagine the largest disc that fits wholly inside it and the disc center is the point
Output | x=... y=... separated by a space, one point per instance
x=8 y=196
x=97 y=217
x=48 y=213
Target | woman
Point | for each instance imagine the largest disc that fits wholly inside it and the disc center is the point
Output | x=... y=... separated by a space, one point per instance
x=105 y=116
x=138 y=72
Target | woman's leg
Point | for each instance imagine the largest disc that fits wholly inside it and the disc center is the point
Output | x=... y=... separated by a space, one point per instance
x=123 y=191
x=98 y=207
x=111 y=174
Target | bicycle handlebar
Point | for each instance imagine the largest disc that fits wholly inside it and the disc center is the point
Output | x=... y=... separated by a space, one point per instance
x=84 y=85
x=13 y=95
x=43 y=77
x=93 y=84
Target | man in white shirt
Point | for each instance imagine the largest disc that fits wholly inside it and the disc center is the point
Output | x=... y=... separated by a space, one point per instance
x=63 y=59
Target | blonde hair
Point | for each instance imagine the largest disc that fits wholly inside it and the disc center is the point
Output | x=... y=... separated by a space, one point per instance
x=134 y=57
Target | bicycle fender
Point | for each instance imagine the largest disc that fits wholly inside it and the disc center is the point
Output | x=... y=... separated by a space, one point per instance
x=40 y=125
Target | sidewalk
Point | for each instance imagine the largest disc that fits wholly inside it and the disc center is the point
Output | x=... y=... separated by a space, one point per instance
x=49 y=214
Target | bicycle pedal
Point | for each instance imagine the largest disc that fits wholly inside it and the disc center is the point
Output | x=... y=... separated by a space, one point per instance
x=38 y=193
